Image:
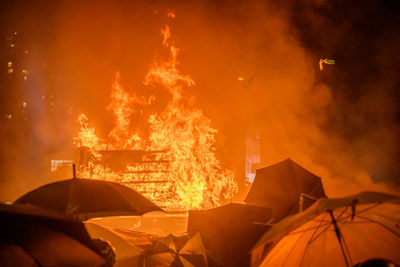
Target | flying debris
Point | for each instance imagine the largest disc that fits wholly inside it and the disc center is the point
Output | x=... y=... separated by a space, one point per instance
x=326 y=61
x=246 y=83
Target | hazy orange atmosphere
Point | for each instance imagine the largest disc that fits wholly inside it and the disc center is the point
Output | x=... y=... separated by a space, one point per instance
x=206 y=133
x=197 y=80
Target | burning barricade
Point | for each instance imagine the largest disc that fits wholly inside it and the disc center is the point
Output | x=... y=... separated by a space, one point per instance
x=175 y=165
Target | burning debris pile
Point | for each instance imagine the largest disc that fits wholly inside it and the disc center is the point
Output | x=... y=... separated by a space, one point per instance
x=175 y=166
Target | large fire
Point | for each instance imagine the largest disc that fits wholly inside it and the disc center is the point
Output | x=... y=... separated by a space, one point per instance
x=178 y=168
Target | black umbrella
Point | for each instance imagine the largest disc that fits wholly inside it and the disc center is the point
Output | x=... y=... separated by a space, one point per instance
x=35 y=237
x=281 y=186
x=87 y=198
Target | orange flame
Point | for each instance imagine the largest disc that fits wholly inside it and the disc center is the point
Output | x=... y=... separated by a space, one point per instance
x=165 y=72
x=86 y=137
x=187 y=173
x=122 y=106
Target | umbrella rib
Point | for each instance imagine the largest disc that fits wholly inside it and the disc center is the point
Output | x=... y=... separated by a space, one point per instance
x=315 y=237
x=24 y=248
x=341 y=213
x=320 y=233
x=316 y=229
x=363 y=210
x=381 y=224
x=367 y=208
x=310 y=228
x=291 y=250
x=323 y=231
x=361 y=222
x=317 y=220
x=311 y=238
x=305 y=230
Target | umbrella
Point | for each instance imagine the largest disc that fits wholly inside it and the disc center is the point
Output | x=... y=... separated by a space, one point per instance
x=232 y=222
x=335 y=232
x=34 y=237
x=126 y=254
x=177 y=252
x=280 y=187
x=87 y=198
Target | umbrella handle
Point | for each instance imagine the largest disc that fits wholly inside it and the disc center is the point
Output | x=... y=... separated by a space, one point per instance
x=339 y=237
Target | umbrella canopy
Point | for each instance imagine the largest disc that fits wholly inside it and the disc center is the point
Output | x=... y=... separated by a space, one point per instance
x=229 y=231
x=87 y=198
x=126 y=254
x=279 y=187
x=177 y=252
x=335 y=232
x=33 y=237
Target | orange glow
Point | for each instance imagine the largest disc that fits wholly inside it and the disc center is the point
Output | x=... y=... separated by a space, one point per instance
x=184 y=172
x=171 y=14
